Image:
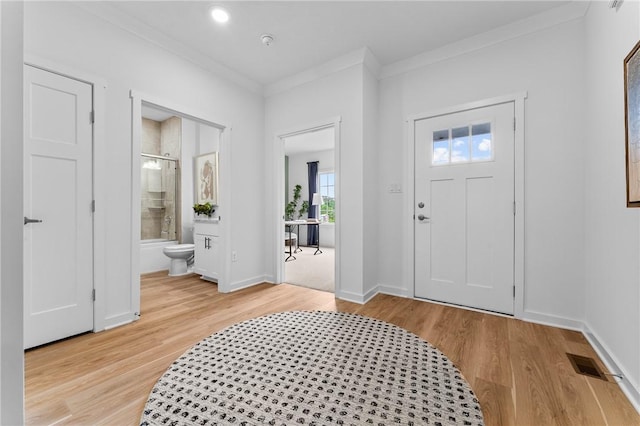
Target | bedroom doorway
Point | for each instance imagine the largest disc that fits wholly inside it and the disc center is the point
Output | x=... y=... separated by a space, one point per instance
x=306 y=247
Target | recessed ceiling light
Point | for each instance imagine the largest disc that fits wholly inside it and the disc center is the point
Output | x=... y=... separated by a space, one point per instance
x=219 y=15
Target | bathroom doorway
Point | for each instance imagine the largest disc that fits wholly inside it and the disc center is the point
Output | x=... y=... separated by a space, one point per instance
x=164 y=187
x=309 y=193
x=169 y=142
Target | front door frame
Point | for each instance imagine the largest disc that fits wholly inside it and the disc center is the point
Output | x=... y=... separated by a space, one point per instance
x=409 y=222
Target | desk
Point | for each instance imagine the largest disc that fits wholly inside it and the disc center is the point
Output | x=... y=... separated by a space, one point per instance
x=289 y=224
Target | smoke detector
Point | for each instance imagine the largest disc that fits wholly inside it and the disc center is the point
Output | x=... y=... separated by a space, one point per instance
x=266 y=39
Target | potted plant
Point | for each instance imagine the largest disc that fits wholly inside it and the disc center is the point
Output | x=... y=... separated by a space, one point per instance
x=204 y=209
x=303 y=209
x=290 y=208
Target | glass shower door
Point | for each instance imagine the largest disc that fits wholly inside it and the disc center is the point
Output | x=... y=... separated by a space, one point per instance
x=159 y=198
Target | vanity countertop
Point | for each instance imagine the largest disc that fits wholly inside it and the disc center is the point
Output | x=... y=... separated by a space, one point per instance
x=205 y=219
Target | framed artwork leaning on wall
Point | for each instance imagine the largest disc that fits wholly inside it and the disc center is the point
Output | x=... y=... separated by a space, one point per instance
x=632 y=124
x=206 y=178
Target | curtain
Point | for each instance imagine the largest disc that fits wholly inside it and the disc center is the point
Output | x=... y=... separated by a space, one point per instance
x=312 y=231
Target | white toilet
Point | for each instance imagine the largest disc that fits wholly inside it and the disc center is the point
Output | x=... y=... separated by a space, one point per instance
x=181 y=256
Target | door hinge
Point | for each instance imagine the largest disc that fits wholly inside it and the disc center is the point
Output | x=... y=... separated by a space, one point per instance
x=514 y=291
x=514 y=124
x=93 y=206
x=92 y=117
x=93 y=295
x=514 y=208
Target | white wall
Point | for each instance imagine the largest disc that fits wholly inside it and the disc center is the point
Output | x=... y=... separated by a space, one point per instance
x=371 y=185
x=189 y=149
x=612 y=231
x=549 y=66
x=338 y=94
x=68 y=35
x=298 y=175
x=11 y=303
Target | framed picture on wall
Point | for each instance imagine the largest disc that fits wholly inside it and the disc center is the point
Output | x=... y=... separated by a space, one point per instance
x=206 y=178
x=632 y=124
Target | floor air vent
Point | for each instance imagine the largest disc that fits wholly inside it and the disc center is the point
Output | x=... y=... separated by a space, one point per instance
x=586 y=366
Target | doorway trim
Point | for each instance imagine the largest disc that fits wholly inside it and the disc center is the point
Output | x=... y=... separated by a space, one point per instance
x=409 y=222
x=224 y=196
x=99 y=88
x=278 y=195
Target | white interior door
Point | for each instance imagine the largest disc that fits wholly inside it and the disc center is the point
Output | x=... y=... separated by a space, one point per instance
x=58 y=251
x=464 y=208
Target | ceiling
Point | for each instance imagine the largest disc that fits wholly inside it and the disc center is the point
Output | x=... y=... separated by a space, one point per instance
x=155 y=114
x=310 y=33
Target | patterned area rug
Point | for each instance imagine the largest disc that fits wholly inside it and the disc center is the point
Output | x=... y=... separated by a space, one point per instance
x=312 y=368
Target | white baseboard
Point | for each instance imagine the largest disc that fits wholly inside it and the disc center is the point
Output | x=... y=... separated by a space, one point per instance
x=371 y=294
x=271 y=279
x=629 y=388
x=552 y=320
x=358 y=298
x=249 y=282
x=119 y=320
x=364 y=298
x=393 y=290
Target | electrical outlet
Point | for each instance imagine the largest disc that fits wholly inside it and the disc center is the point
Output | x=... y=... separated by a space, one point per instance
x=234 y=256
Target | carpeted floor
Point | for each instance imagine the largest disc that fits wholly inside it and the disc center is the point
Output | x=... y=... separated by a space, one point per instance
x=312 y=271
x=312 y=368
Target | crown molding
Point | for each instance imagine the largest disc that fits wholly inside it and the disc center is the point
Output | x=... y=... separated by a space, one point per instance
x=355 y=57
x=110 y=14
x=539 y=22
x=371 y=62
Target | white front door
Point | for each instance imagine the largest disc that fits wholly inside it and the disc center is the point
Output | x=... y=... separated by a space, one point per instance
x=464 y=208
x=58 y=251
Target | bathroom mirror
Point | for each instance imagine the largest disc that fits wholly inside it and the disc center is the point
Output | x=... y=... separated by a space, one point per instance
x=206 y=178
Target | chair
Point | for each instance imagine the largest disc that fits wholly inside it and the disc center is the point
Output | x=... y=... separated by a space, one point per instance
x=290 y=242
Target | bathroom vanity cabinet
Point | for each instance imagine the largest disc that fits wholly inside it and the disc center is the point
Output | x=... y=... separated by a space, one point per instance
x=207 y=249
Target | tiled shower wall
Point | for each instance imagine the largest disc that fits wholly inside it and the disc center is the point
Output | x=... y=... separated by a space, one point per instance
x=159 y=214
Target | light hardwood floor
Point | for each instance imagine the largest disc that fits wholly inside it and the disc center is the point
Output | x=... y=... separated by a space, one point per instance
x=518 y=370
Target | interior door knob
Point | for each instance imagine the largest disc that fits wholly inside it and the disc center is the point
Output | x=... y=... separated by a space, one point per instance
x=422 y=217
x=27 y=220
